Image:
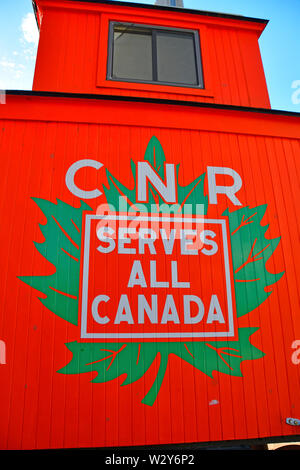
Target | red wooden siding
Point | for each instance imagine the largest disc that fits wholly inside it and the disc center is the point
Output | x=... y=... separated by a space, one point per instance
x=40 y=408
x=72 y=53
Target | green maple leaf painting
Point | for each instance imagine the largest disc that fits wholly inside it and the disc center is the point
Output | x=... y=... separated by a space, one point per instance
x=61 y=247
x=250 y=252
x=190 y=196
x=132 y=360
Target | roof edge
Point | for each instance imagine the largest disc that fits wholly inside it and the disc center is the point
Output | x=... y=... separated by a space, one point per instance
x=89 y=96
x=167 y=8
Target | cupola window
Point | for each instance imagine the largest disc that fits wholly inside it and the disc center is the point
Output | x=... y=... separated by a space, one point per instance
x=139 y=53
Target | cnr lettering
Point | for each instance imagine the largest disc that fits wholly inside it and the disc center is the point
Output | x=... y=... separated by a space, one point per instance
x=166 y=189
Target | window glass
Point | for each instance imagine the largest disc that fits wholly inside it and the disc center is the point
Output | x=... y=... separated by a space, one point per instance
x=176 y=58
x=132 y=53
x=154 y=55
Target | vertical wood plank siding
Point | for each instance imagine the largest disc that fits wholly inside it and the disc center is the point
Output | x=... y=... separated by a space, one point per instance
x=72 y=54
x=40 y=408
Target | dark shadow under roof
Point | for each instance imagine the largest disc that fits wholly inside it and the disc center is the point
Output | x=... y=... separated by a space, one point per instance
x=134 y=99
x=167 y=8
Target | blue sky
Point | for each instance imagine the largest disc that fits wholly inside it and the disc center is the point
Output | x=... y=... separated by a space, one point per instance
x=279 y=43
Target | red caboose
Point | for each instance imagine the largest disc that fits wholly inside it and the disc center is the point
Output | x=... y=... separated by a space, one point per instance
x=149 y=235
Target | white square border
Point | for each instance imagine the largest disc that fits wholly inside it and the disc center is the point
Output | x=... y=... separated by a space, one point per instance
x=188 y=335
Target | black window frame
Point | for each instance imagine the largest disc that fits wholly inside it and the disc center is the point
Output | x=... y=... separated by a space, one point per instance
x=154 y=29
